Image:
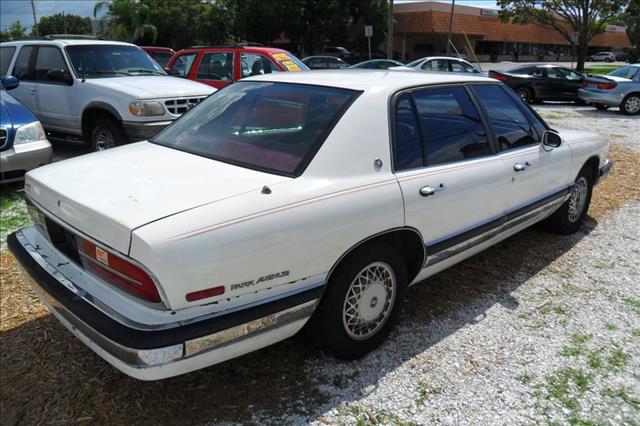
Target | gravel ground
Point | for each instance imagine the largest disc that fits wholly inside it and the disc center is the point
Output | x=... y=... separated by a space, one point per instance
x=538 y=329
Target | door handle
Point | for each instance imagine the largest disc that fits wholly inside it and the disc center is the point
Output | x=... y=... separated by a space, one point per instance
x=520 y=167
x=32 y=89
x=427 y=191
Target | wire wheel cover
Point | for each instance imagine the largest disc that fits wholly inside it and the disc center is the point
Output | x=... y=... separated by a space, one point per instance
x=578 y=199
x=369 y=301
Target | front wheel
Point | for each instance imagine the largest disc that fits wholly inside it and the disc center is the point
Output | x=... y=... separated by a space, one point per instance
x=361 y=303
x=570 y=216
x=106 y=134
x=631 y=104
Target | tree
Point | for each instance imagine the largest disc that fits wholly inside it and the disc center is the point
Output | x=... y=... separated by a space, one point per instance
x=63 y=24
x=15 y=31
x=129 y=20
x=631 y=19
x=586 y=18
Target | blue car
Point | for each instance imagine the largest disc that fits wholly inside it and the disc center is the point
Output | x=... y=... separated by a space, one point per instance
x=23 y=142
x=619 y=88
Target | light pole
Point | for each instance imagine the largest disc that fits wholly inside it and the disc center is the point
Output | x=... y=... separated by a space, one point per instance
x=453 y=5
x=390 y=32
x=33 y=10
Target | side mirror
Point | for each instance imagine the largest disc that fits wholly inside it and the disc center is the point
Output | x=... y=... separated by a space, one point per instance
x=10 y=82
x=551 y=139
x=59 y=76
x=172 y=72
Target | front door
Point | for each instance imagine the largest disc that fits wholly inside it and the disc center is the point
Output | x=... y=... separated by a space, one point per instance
x=23 y=71
x=563 y=83
x=452 y=182
x=537 y=174
x=55 y=102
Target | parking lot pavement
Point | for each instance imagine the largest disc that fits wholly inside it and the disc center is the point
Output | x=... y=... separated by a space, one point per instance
x=538 y=329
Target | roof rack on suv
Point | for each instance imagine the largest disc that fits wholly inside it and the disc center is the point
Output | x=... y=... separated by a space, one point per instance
x=228 y=46
x=71 y=36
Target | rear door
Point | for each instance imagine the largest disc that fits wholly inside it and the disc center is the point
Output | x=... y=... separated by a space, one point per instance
x=535 y=172
x=23 y=70
x=453 y=184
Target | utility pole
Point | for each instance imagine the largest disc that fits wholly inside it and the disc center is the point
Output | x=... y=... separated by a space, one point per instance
x=453 y=5
x=33 y=10
x=390 y=32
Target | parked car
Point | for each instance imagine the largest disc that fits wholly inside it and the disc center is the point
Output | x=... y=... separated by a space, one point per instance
x=219 y=66
x=620 y=88
x=544 y=82
x=324 y=62
x=23 y=144
x=106 y=93
x=602 y=56
x=378 y=64
x=338 y=52
x=443 y=64
x=294 y=198
x=622 y=57
x=159 y=54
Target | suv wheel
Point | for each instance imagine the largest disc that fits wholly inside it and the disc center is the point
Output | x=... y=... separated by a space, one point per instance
x=107 y=133
x=361 y=303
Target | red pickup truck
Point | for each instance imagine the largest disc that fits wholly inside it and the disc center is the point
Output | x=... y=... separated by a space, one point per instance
x=219 y=66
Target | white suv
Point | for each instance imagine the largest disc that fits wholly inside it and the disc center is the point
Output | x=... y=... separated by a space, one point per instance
x=104 y=92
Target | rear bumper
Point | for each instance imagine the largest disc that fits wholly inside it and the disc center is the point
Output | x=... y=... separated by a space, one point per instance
x=18 y=160
x=610 y=97
x=140 y=131
x=152 y=354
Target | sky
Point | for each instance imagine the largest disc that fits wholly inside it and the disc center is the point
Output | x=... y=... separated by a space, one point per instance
x=20 y=10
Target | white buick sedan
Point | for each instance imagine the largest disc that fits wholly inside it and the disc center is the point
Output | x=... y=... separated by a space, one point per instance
x=291 y=199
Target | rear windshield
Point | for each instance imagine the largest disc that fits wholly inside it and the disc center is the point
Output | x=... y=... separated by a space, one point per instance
x=272 y=127
x=625 y=72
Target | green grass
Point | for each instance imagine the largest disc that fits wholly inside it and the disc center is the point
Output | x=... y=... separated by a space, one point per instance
x=601 y=70
x=13 y=212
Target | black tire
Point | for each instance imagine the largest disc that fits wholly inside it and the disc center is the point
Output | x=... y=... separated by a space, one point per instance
x=630 y=105
x=601 y=107
x=107 y=133
x=328 y=327
x=525 y=93
x=569 y=217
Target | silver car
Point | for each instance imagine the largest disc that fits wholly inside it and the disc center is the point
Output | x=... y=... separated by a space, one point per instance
x=443 y=64
x=602 y=56
x=619 y=88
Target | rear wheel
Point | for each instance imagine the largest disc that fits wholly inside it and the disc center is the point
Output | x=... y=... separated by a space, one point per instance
x=570 y=216
x=525 y=93
x=107 y=133
x=601 y=107
x=631 y=104
x=361 y=303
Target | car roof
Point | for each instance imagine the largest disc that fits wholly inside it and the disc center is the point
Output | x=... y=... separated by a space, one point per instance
x=257 y=49
x=369 y=80
x=321 y=56
x=442 y=57
x=65 y=42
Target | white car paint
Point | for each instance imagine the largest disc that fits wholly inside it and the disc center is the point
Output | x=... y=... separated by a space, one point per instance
x=60 y=107
x=195 y=223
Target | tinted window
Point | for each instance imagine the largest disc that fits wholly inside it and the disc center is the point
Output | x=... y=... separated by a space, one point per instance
x=216 y=66
x=436 y=65
x=523 y=70
x=255 y=64
x=511 y=127
x=103 y=60
x=408 y=144
x=49 y=58
x=21 y=67
x=275 y=127
x=182 y=65
x=570 y=74
x=6 y=53
x=450 y=125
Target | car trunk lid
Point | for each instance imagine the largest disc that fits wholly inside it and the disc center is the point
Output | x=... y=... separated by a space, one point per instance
x=107 y=195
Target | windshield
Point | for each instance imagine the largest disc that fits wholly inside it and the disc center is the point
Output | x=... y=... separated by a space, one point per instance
x=102 y=60
x=415 y=63
x=625 y=72
x=272 y=127
x=289 y=62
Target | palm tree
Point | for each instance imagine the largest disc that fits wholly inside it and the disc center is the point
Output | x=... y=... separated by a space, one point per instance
x=129 y=19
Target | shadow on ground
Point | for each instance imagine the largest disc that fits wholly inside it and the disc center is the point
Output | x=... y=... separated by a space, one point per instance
x=49 y=376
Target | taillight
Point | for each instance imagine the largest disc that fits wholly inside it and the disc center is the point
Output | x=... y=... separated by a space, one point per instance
x=607 y=86
x=118 y=271
x=497 y=76
x=585 y=83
